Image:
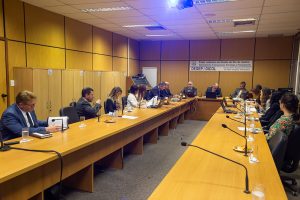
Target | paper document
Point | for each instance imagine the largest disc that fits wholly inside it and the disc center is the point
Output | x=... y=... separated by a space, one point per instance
x=129 y=117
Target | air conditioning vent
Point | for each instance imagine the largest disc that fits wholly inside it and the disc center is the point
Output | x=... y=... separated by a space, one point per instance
x=155 y=28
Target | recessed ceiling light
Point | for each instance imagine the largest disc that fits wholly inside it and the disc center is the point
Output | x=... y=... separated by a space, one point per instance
x=219 y=21
x=166 y=35
x=139 y=25
x=121 y=8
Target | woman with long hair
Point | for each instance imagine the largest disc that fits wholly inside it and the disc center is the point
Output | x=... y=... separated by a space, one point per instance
x=112 y=103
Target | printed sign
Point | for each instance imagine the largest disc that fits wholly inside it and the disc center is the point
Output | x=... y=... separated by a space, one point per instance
x=231 y=66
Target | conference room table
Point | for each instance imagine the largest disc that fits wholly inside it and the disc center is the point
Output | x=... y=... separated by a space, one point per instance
x=25 y=175
x=200 y=175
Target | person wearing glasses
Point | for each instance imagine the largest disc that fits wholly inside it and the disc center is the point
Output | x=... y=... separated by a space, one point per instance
x=21 y=115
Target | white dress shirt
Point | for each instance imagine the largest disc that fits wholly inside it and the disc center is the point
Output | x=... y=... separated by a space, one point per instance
x=25 y=117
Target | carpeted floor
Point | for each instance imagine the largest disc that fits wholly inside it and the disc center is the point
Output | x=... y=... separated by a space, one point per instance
x=142 y=173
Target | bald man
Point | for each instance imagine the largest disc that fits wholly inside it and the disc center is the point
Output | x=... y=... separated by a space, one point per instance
x=190 y=90
x=215 y=88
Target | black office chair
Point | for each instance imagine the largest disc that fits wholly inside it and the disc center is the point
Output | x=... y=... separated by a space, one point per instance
x=278 y=144
x=124 y=102
x=71 y=113
x=291 y=160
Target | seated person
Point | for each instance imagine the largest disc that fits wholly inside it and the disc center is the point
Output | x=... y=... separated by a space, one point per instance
x=166 y=91
x=215 y=88
x=132 y=97
x=21 y=115
x=274 y=107
x=190 y=90
x=289 y=106
x=156 y=91
x=83 y=105
x=256 y=93
x=112 y=103
x=264 y=103
x=240 y=92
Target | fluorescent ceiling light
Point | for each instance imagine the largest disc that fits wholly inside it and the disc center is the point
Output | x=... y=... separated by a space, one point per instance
x=244 y=20
x=220 y=21
x=204 y=2
x=234 y=32
x=166 y=35
x=139 y=25
x=121 y=8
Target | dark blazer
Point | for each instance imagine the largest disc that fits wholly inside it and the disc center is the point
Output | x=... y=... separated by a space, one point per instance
x=167 y=93
x=218 y=91
x=237 y=91
x=189 y=92
x=84 y=108
x=12 y=122
x=155 y=91
x=110 y=106
x=270 y=112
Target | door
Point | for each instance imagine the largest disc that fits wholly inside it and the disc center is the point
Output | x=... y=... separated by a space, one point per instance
x=40 y=89
x=3 y=86
x=23 y=80
x=78 y=84
x=55 y=89
x=67 y=87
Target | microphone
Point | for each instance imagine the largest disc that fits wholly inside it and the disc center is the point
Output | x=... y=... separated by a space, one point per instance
x=234 y=119
x=243 y=136
x=3 y=147
x=247 y=191
x=62 y=123
x=98 y=115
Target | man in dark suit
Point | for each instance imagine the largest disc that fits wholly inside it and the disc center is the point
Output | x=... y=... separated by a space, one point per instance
x=167 y=91
x=215 y=88
x=240 y=92
x=21 y=115
x=190 y=90
x=84 y=107
x=156 y=91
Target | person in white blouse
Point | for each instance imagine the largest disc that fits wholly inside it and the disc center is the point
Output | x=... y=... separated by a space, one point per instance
x=132 y=97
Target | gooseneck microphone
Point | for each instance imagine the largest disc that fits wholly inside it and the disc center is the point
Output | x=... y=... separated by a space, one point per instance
x=245 y=137
x=98 y=116
x=234 y=119
x=247 y=191
x=62 y=123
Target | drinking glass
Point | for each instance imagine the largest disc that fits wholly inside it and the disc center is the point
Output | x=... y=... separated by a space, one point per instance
x=82 y=124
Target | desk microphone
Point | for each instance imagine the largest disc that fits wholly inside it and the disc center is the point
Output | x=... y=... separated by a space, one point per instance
x=98 y=116
x=3 y=147
x=247 y=191
x=245 y=137
x=62 y=123
x=234 y=119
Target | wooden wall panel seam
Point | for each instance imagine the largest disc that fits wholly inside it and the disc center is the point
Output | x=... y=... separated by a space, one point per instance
x=24 y=22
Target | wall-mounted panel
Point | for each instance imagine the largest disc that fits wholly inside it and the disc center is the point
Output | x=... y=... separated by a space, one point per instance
x=102 y=63
x=205 y=49
x=120 y=46
x=272 y=73
x=120 y=64
x=44 y=27
x=45 y=57
x=1 y=20
x=175 y=50
x=202 y=80
x=133 y=68
x=229 y=81
x=102 y=41
x=16 y=58
x=78 y=60
x=175 y=72
x=14 y=20
x=134 y=50
x=78 y=35
x=273 y=48
x=150 y=50
x=151 y=64
x=237 y=49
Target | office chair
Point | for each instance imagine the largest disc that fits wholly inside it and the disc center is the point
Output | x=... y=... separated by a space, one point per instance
x=278 y=144
x=124 y=102
x=291 y=160
x=71 y=113
x=104 y=104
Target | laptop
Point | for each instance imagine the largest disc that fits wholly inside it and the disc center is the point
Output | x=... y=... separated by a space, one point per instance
x=211 y=95
x=227 y=110
x=160 y=103
x=225 y=102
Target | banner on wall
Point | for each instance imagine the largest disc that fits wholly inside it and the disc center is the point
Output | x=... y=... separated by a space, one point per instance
x=223 y=66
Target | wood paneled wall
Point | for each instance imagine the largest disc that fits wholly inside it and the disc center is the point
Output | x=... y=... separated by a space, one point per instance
x=271 y=60
x=37 y=38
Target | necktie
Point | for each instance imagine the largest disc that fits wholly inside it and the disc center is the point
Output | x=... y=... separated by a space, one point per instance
x=29 y=119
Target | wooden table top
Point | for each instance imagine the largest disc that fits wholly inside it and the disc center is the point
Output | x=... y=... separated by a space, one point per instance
x=200 y=175
x=15 y=162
